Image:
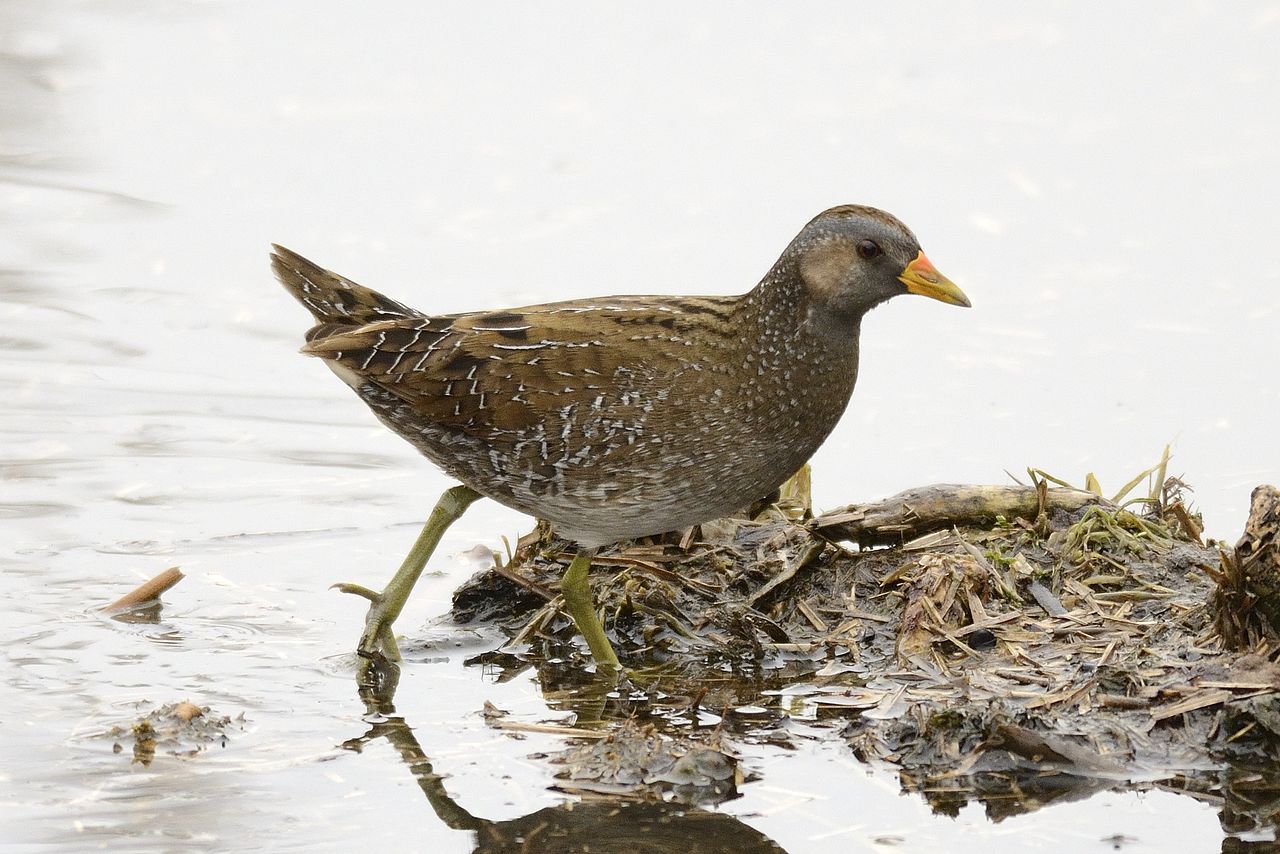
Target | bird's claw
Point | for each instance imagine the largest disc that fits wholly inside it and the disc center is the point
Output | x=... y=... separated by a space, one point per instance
x=356 y=590
x=377 y=640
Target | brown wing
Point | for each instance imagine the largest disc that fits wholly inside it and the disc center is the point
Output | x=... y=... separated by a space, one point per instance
x=509 y=370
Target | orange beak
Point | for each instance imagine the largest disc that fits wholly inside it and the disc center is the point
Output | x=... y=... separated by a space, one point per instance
x=921 y=277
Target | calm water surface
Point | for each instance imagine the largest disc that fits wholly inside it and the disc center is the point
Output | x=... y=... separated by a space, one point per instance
x=1102 y=180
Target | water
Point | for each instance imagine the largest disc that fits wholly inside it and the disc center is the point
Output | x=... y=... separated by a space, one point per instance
x=1100 y=180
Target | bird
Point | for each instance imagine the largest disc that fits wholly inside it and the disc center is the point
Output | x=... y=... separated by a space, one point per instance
x=615 y=417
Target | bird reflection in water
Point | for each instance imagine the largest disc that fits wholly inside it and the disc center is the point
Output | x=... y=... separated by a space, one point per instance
x=600 y=826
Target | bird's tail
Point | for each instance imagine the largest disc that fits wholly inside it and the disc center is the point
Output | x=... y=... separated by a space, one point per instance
x=337 y=303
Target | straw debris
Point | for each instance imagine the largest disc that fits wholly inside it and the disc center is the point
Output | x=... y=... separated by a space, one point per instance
x=1015 y=643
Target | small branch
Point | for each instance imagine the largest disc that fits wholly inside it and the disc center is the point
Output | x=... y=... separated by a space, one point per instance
x=1188 y=524
x=148 y=591
x=526 y=583
x=919 y=511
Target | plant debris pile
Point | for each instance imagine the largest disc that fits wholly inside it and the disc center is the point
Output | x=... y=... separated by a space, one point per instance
x=636 y=760
x=1029 y=640
x=178 y=729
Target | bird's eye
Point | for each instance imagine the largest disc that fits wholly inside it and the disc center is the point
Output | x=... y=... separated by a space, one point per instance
x=868 y=249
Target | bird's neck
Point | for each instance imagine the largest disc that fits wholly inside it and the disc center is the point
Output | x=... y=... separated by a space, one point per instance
x=781 y=311
x=805 y=356
x=794 y=371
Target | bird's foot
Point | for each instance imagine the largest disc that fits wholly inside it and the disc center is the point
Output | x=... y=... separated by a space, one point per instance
x=377 y=640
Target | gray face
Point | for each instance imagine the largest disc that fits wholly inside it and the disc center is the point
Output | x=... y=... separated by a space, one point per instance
x=849 y=259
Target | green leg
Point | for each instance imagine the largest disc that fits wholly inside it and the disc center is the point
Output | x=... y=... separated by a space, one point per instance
x=388 y=604
x=577 y=601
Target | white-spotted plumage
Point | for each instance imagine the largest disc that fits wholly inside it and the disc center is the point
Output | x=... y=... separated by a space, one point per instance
x=618 y=417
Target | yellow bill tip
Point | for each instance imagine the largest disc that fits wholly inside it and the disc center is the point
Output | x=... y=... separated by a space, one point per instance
x=921 y=277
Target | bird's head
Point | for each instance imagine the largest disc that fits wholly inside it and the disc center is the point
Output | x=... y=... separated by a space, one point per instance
x=852 y=258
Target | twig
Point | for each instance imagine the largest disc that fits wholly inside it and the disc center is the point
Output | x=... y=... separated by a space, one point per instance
x=551 y=729
x=521 y=581
x=918 y=511
x=148 y=591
